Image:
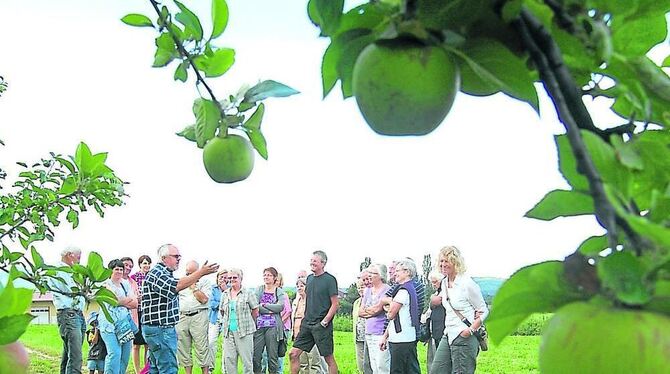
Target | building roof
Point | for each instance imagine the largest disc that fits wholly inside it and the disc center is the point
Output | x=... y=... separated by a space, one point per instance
x=43 y=297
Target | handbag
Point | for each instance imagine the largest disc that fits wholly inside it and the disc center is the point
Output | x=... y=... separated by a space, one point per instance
x=481 y=333
x=423 y=332
x=281 y=348
x=124 y=328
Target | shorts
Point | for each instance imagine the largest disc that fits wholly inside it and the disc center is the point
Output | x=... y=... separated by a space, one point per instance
x=311 y=334
x=96 y=365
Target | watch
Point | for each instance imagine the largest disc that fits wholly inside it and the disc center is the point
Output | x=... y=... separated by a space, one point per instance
x=324 y=324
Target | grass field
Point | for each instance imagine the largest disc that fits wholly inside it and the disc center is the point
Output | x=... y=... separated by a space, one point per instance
x=517 y=354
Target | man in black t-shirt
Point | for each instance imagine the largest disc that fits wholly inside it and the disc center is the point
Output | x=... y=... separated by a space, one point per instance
x=320 y=307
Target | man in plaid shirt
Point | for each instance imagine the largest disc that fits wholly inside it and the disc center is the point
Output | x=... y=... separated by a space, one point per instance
x=160 y=307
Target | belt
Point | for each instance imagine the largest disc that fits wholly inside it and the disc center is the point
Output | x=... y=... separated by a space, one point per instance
x=191 y=314
x=68 y=309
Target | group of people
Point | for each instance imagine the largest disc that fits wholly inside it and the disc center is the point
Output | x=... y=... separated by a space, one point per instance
x=173 y=317
x=389 y=313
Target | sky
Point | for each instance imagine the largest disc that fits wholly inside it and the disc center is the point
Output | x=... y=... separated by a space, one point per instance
x=77 y=73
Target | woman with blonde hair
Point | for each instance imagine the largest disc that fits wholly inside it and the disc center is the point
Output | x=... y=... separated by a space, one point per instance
x=460 y=296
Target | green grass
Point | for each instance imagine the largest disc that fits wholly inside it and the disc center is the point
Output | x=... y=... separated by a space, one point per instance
x=517 y=354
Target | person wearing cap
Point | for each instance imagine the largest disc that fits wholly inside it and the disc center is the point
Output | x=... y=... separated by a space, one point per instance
x=96 y=350
x=69 y=316
x=160 y=307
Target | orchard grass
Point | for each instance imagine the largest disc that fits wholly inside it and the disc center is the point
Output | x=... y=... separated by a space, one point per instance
x=517 y=354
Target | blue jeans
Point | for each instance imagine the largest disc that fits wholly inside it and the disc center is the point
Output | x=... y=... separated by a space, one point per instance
x=118 y=355
x=162 y=343
x=72 y=330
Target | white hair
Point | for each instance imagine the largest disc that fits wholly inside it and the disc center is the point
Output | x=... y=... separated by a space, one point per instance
x=70 y=250
x=164 y=251
x=408 y=265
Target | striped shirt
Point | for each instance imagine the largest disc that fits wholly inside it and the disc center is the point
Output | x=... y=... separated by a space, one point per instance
x=160 y=301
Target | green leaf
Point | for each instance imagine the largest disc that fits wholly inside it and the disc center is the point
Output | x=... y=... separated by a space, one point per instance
x=254 y=122
x=190 y=21
x=593 y=245
x=69 y=186
x=539 y=288
x=266 y=89
x=651 y=76
x=326 y=14
x=219 y=63
x=219 y=17
x=82 y=156
x=38 y=261
x=166 y=50
x=258 y=141
x=105 y=295
x=188 y=132
x=636 y=37
x=67 y=164
x=605 y=161
x=98 y=270
x=340 y=57
x=666 y=62
x=626 y=153
x=12 y=327
x=622 y=273
x=491 y=67
x=207 y=116
x=181 y=73
x=561 y=203
x=138 y=20
x=568 y=165
x=73 y=218
x=14 y=300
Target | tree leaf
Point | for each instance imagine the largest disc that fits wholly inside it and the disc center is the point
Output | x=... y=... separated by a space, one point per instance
x=166 y=50
x=14 y=300
x=207 y=116
x=188 y=132
x=138 y=20
x=12 y=327
x=181 y=73
x=622 y=273
x=82 y=157
x=266 y=89
x=38 y=261
x=258 y=141
x=636 y=37
x=562 y=203
x=219 y=63
x=326 y=14
x=254 y=122
x=73 y=217
x=96 y=266
x=539 y=288
x=219 y=17
x=491 y=67
x=593 y=245
x=190 y=21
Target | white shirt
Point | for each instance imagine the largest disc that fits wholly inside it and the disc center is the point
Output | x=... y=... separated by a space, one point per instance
x=408 y=333
x=466 y=297
x=187 y=301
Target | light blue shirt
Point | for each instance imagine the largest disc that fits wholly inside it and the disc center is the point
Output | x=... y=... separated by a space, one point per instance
x=63 y=301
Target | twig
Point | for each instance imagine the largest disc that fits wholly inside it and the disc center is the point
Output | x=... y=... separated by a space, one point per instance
x=184 y=53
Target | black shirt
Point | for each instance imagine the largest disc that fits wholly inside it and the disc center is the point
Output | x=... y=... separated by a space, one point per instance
x=319 y=289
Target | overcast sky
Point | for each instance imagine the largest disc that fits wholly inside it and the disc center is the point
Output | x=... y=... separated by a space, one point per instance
x=76 y=73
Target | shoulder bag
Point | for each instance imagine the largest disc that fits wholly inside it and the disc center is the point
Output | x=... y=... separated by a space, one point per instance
x=480 y=333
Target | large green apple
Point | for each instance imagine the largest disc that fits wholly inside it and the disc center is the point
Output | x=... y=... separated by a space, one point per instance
x=590 y=339
x=229 y=159
x=403 y=87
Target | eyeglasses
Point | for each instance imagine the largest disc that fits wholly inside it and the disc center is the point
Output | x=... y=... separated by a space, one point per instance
x=176 y=257
x=232 y=278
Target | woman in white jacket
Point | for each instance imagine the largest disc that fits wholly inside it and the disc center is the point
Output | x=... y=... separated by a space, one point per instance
x=459 y=294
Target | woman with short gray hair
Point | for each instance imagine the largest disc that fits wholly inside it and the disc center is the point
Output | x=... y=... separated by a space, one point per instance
x=239 y=309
